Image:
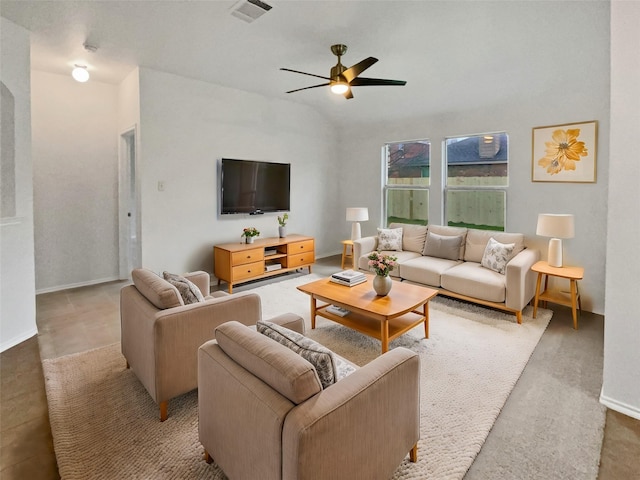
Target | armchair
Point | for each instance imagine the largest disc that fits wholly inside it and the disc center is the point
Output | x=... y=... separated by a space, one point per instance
x=160 y=335
x=263 y=413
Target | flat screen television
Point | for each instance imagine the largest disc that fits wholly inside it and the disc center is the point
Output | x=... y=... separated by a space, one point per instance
x=254 y=187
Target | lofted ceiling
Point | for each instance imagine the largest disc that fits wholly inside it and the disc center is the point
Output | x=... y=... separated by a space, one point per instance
x=455 y=55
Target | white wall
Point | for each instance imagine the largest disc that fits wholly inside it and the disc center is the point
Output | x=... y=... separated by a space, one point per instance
x=186 y=127
x=75 y=181
x=577 y=94
x=621 y=379
x=17 y=283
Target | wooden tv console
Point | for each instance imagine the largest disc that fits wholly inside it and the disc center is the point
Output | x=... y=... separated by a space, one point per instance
x=238 y=262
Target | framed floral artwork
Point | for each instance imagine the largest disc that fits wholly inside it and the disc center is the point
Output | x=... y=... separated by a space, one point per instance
x=565 y=153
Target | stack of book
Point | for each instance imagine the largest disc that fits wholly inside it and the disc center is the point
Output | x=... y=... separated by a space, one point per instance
x=348 y=277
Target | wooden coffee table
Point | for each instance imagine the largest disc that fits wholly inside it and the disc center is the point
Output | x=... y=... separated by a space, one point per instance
x=384 y=318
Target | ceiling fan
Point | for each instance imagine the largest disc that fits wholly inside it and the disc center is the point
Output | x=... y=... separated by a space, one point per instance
x=341 y=78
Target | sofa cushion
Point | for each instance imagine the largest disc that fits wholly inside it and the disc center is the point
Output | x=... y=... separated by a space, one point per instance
x=155 y=289
x=413 y=236
x=442 y=246
x=363 y=262
x=279 y=367
x=473 y=280
x=477 y=242
x=496 y=255
x=189 y=291
x=390 y=239
x=448 y=231
x=426 y=270
x=319 y=356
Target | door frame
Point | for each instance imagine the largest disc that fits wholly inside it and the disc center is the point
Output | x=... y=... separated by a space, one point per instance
x=129 y=240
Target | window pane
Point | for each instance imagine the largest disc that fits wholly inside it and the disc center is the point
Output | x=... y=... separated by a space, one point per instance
x=484 y=209
x=408 y=163
x=477 y=160
x=407 y=206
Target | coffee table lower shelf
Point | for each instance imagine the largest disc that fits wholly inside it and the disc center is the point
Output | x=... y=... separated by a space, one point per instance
x=380 y=329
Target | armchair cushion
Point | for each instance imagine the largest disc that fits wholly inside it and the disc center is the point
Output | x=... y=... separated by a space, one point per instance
x=155 y=289
x=189 y=291
x=279 y=367
x=319 y=356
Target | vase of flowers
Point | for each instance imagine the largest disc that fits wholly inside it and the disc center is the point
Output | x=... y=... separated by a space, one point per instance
x=382 y=265
x=249 y=234
x=282 y=225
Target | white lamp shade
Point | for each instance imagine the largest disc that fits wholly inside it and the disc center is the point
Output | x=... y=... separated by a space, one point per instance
x=555 y=225
x=357 y=214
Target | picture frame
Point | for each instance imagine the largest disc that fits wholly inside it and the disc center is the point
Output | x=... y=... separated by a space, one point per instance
x=564 y=153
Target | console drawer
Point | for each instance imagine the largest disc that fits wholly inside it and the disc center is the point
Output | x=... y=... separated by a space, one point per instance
x=300 y=247
x=247 y=256
x=301 y=259
x=248 y=270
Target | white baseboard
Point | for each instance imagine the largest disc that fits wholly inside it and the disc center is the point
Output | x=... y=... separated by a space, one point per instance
x=76 y=285
x=19 y=339
x=629 y=410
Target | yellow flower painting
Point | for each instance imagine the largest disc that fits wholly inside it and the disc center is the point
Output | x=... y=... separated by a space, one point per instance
x=564 y=153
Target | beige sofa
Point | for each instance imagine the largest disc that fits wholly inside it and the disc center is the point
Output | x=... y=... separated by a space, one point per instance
x=461 y=275
x=161 y=335
x=264 y=414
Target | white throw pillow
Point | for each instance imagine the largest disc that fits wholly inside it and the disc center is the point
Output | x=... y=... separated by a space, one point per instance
x=390 y=239
x=497 y=255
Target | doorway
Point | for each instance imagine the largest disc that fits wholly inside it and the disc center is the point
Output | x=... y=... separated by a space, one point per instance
x=129 y=205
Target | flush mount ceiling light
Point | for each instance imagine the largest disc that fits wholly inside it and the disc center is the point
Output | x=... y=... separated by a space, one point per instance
x=80 y=73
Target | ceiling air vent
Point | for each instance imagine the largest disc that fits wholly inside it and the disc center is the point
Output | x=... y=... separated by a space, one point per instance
x=249 y=10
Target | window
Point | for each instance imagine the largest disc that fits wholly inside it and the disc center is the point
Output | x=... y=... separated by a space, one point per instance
x=476 y=177
x=407 y=182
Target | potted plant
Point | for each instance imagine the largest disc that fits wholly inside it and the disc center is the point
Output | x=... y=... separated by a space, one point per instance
x=383 y=265
x=249 y=233
x=282 y=222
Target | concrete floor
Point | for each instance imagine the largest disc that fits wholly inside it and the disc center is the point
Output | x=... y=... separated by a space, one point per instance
x=80 y=319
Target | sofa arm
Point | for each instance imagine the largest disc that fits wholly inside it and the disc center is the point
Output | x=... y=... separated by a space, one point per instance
x=520 y=280
x=179 y=332
x=363 y=246
x=291 y=321
x=373 y=414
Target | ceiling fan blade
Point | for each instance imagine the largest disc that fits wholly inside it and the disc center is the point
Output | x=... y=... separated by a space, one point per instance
x=361 y=82
x=305 y=73
x=348 y=94
x=358 y=68
x=307 y=88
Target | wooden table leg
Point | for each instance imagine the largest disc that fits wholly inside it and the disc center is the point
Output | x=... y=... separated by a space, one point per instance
x=535 y=302
x=384 y=335
x=313 y=312
x=574 y=304
x=426 y=320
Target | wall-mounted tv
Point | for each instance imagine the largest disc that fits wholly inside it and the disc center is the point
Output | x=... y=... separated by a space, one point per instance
x=254 y=187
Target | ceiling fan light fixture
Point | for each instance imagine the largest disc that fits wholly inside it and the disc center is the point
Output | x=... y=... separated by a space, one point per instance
x=339 y=88
x=80 y=73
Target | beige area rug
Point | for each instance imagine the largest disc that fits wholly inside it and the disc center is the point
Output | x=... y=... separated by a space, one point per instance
x=105 y=425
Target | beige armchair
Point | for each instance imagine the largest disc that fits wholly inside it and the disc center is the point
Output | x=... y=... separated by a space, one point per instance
x=263 y=413
x=161 y=335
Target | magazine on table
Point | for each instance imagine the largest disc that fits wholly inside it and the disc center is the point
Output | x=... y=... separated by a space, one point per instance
x=349 y=276
x=348 y=284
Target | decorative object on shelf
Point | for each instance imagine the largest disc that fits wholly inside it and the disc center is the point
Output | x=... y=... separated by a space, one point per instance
x=558 y=226
x=282 y=225
x=383 y=265
x=357 y=214
x=249 y=233
x=565 y=153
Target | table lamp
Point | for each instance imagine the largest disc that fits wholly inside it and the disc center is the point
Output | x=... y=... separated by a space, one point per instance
x=355 y=215
x=557 y=226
